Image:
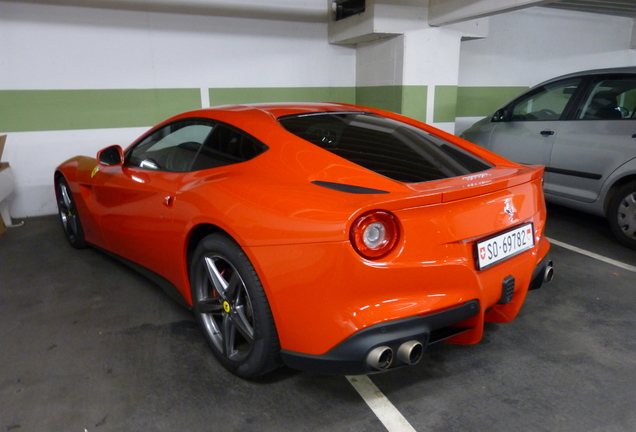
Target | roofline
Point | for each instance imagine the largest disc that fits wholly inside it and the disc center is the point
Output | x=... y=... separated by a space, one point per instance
x=616 y=70
x=278 y=109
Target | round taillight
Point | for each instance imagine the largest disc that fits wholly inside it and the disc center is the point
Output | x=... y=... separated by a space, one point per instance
x=374 y=234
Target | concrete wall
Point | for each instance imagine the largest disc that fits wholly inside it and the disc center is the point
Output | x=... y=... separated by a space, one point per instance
x=73 y=80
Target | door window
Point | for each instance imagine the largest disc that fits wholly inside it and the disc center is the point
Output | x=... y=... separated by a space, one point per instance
x=546 y=103
x=171 y=148
x=226 y=146
x=610 y=99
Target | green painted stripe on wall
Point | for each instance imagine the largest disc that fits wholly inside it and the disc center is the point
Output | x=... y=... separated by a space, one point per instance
x=414 y=100
x=407 y=100
x=445 y=104
x=226 y=96
x=47 y=110
x=388 y=98
x=482 y=101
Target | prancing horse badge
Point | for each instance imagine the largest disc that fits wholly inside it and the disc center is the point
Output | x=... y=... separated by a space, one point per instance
x=509 y=209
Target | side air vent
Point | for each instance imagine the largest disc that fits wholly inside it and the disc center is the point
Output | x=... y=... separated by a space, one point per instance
x=341 y=187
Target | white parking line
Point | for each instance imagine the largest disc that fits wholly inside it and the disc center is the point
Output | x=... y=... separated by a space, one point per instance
x=593 y=255
x=380 y=405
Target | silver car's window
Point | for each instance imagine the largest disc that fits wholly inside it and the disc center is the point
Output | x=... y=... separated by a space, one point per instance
x=610 y=99
x=170 y=148
x=546 y=103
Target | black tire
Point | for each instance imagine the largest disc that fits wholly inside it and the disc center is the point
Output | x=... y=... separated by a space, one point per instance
x=69 y=217
x=231 y=307
x=622 y=215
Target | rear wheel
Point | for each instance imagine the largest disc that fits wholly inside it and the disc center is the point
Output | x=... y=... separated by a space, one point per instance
x=69 y=216
x=231 y=307
x=622 y=215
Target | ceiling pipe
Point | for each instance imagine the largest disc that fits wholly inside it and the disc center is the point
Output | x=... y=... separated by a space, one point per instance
x=304 y=11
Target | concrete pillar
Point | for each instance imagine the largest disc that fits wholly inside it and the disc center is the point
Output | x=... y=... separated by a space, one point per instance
x=379 y=73
x=403 y=64
x=431 y=61
x=415 y=74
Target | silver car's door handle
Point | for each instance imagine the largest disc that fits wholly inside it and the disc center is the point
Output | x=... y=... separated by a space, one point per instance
x=546 y=132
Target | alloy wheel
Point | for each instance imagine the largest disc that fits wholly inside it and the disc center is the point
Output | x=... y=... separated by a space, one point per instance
x=226 y=308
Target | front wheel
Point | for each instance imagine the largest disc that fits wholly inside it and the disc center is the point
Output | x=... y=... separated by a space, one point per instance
x=69 y=216
x=232 y=309
x=622 y=215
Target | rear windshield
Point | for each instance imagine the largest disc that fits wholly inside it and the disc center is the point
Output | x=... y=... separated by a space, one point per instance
x=388 y=147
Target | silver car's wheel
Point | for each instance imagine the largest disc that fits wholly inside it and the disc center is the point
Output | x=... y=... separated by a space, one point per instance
x=69 y=216
x=232 y=309
x=622 y=215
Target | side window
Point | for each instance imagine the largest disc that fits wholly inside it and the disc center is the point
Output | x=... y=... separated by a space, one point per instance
x=172 y=148
x=226 y=146
x=610 y=99
x=546 y=103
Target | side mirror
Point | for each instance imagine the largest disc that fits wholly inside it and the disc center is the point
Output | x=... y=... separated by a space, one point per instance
x=500 y=115
x=111 y=156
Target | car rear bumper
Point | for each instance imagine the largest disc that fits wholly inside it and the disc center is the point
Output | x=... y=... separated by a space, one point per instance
x=359 y=353
x=350 y=356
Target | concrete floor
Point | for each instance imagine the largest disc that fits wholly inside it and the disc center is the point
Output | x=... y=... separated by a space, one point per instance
x=89 y=345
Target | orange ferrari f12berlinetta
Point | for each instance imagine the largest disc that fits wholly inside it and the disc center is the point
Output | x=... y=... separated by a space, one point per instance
x=328 y=237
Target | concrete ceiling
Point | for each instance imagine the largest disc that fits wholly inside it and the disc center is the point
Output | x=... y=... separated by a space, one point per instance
x=441 y=12
x=626 y=8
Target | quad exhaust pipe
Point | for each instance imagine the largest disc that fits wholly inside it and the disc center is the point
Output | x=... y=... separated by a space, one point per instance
x=410 y=352
x=380 y=358
x=548 y=274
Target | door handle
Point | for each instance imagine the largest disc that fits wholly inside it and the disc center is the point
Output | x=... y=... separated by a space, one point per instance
x=546 y=132
x=167 y=201
x=634 y=136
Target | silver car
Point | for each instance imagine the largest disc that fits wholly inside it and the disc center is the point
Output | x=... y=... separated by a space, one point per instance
x=582 y=127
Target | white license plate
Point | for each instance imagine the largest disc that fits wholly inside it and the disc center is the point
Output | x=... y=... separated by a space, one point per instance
x=498 y=248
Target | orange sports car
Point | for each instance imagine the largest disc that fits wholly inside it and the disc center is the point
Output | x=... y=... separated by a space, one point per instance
x=328 y=237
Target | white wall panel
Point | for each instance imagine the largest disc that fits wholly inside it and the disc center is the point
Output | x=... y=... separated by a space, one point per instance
x=431 y=57
x=34 y=155
x=526 y=47
x=59 y=47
